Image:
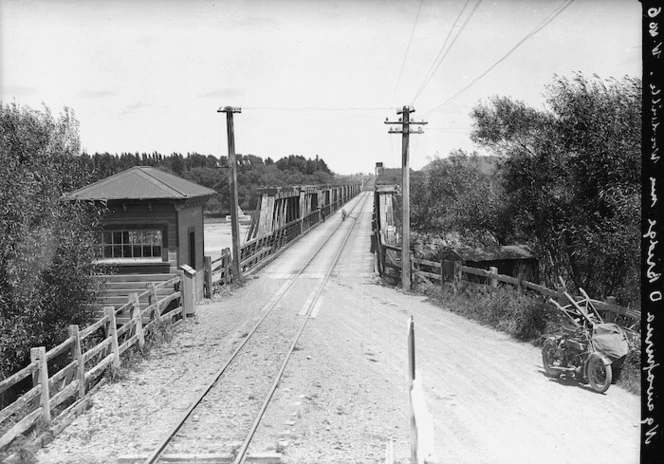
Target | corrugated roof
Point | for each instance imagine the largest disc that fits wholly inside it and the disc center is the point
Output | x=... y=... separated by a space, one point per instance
x=142 y=183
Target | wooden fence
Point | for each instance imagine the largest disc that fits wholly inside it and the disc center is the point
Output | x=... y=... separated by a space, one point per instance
x=58 y=391
x=452 y=272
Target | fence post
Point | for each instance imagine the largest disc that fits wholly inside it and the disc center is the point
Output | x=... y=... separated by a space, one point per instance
x=38 y=355
x=188 y=290
x=208 y=276
x=610 y=315
x=227 y=268
x=154 y=300
x=112 y=331
x=494 y=277
x=457 y=275
x=77 y=354
x=136 y=315
x=519 y=283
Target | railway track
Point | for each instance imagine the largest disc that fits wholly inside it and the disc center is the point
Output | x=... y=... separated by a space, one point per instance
x=210 y=431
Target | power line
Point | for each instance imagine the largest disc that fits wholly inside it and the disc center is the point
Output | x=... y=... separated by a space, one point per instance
x=315 y=108
x=442 y=53
x=545 y=22
x=410 y=40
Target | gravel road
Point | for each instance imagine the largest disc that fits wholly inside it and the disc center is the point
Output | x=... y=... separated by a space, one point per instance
x=344 y=394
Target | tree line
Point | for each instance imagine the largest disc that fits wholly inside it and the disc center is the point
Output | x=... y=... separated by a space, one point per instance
x=566 y=182
x=253 y=172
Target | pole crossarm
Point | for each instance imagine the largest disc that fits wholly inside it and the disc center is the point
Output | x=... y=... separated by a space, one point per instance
x=229 y=109
x=408 y=131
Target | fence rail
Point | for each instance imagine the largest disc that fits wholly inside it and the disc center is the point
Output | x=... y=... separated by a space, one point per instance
x=68 y=372
x=453 y=272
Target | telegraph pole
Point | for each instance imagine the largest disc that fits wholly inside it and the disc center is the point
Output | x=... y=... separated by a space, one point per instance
x=232 y=183
x=405 y=132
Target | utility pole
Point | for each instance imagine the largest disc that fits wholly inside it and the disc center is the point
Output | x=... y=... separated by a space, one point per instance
x=232 y=183
x=405 y=122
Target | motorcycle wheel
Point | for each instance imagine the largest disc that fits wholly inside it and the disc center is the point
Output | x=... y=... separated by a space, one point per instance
x=549 y=359
x=599 y=373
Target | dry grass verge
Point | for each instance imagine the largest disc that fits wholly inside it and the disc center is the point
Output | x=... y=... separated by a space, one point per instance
x=523 y=316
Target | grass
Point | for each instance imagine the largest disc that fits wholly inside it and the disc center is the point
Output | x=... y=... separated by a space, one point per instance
x=523 y=316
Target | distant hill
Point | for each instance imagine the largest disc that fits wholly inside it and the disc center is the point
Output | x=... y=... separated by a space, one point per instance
x=487 y=164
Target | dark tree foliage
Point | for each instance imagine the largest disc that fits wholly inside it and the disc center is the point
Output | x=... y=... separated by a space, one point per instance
x=571 y=179
x=456 y=197
x=47 y=247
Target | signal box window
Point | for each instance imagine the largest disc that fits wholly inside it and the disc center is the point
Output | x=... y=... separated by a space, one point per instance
x=132 y=243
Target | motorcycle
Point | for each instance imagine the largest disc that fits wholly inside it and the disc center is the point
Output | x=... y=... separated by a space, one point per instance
x=591 y=350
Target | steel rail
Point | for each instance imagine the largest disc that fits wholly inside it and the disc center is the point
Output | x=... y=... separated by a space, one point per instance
x=245 y=446
x=153 y=458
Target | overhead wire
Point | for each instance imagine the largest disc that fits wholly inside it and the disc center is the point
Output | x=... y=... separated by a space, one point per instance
x=315 y=108
x=442 y=53
x=405 y=57
x=545 y=22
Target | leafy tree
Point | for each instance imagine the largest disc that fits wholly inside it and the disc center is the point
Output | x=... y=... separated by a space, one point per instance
x=46 y=242
x=571 y=178
x=456 y=197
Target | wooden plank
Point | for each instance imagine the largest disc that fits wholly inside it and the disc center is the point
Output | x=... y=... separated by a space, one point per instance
x=61 y=348
x=18 y=376
x=94 y=327
x=77 y=355
x=20 y=402
x=61 y=374
x=64 y=394
x=507 y=279
x=136 y=277
x=425 y=262
x=99 y=368
x=38 y=354
x=91 y=353
x=125 y=327
x=538 y=288
x=134 y=285
x=20 y=427
x=169 y=283
x=474 y=271
x=420 y=274
x=171 y=314
x=112 y=333
x=127 y=344
x=428 y=274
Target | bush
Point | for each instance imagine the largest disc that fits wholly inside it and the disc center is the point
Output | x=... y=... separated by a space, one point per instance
x=521 y=316
x=47 y=251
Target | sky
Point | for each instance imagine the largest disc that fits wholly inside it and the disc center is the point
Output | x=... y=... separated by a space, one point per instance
x=312 y=77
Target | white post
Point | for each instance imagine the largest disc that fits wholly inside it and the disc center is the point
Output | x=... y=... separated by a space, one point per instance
x=188 y=291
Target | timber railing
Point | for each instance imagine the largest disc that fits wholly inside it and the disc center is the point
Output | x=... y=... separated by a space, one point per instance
x=454 y=273
x=256 y=251
x=64 y=377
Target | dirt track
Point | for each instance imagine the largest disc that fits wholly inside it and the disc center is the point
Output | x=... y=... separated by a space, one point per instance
x=344 y=394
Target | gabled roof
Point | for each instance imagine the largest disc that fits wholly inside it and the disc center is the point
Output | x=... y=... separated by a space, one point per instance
x=142 y=183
